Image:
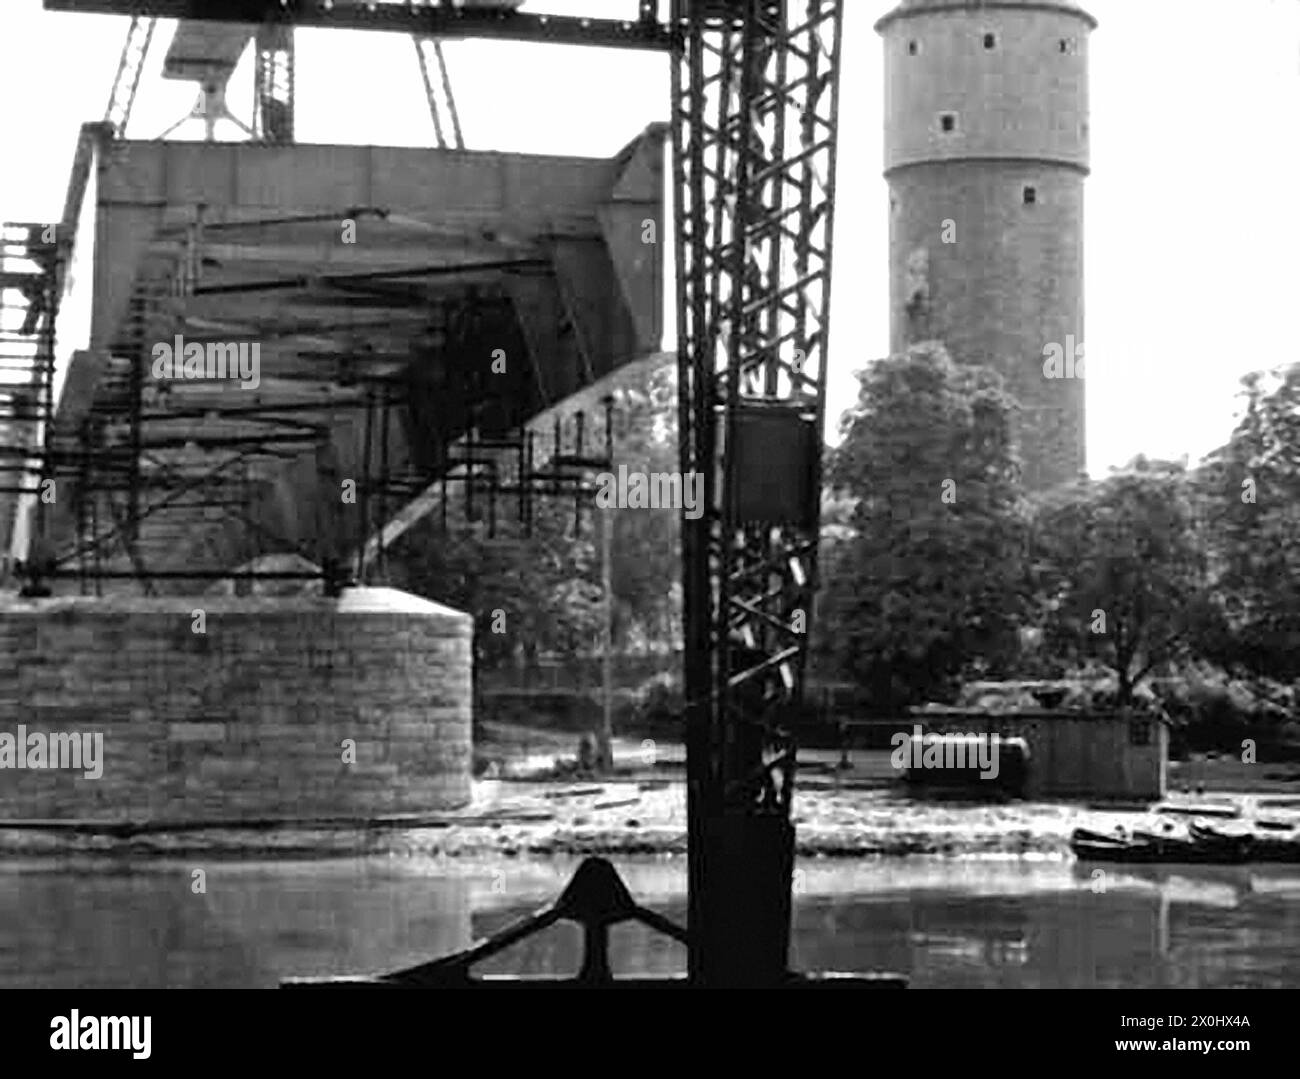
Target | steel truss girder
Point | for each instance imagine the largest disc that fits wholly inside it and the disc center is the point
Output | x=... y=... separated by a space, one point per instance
x=444 y=21
x=755 y=88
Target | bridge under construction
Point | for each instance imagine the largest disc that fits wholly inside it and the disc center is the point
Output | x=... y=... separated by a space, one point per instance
x=428 y=324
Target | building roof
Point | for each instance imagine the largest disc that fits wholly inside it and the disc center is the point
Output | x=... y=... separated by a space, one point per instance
x=909 y=8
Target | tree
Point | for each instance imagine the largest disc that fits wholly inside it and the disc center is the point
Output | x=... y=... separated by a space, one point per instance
x=1248 y=498
x=1121 y=572
x=647 y=542
x=526 y=594
x=926 y=582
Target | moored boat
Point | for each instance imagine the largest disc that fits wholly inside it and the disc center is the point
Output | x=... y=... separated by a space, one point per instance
x=1200 y=843
x=1261 y=841
x=1092 y=846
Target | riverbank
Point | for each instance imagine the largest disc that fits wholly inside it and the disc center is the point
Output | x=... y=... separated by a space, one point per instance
x=512 y=819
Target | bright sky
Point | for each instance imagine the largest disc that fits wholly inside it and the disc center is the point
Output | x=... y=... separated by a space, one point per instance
x=1192 y=234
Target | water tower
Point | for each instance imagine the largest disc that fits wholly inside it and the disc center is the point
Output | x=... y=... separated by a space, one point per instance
x=986 y=153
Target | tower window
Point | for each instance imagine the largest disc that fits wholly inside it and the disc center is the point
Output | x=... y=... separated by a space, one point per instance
x=1031 y=195
x=913 y=47
x=1066 y=45
x=948 y=122
x=990 y=41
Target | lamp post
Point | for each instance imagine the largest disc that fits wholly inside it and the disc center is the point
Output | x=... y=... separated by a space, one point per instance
x=606 y=748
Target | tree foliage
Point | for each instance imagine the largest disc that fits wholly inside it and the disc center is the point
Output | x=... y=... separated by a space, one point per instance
x=926 y=581
x=647 y=542
x=527 y=595
x=1248 y=495
x=1120 y=571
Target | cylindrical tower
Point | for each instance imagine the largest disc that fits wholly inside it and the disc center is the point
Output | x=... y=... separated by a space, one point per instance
x=986 y=151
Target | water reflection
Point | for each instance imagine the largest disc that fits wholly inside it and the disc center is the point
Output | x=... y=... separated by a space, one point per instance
x=1060 y=926
x=943 y=923
x=106 y=925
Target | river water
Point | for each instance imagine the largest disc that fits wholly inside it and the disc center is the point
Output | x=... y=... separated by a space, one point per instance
x=942 y=923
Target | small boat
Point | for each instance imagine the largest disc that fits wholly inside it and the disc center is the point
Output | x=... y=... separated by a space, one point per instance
x=1170 y=844
x=1261 y=841
x=1227 y=810
x=1112 y=850
x=1089 y=836
x=1089 y=846
x=1199 y=843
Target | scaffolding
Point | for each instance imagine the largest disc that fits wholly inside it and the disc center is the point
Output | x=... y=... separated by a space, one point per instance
x=31 y=260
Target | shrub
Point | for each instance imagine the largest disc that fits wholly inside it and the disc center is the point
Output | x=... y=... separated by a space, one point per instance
x=659 y=702
x=1211 y=710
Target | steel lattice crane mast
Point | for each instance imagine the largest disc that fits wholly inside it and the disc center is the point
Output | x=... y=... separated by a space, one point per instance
x=755 y=120
x=755 y=92
x=273 y=80
x=126 y=83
